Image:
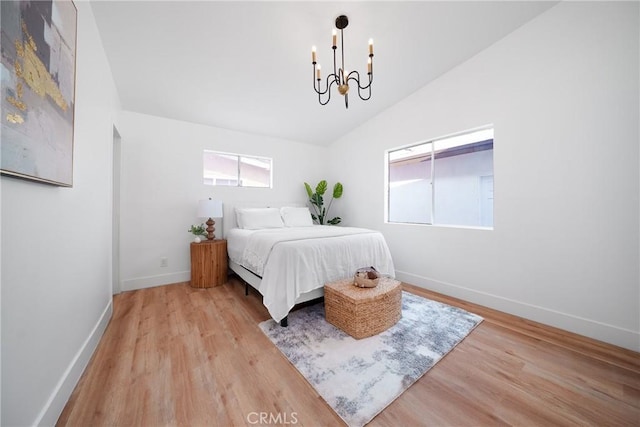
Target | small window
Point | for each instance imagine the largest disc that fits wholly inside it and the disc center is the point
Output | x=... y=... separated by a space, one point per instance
x=236 y=170
x=445 y=181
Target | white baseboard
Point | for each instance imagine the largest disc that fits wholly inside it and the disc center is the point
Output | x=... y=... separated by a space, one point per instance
x=61 y=393
x=590 y=328
x=152 y=281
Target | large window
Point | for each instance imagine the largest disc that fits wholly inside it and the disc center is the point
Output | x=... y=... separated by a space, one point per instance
x=445 y=181
x=236 y=170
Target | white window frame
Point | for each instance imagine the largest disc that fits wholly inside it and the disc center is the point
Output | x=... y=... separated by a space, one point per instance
x=237 y=178
x=432 y=141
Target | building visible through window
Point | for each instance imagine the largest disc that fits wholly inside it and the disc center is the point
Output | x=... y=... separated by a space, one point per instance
x=236 y=170
x=445 y=181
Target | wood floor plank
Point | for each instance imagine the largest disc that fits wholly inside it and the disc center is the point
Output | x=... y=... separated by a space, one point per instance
x=174 y=355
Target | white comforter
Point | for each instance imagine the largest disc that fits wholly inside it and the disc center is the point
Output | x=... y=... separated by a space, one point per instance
x=293 y=261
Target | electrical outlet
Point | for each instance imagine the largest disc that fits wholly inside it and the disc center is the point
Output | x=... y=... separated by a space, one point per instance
x=164 y=262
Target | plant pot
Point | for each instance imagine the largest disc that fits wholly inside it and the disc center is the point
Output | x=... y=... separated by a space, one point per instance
x=197 y=239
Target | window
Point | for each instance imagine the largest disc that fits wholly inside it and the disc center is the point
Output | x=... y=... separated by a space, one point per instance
x=445 y=181
x=236 y=170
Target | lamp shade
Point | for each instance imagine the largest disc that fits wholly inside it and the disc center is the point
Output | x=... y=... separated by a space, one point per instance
x=210 y=209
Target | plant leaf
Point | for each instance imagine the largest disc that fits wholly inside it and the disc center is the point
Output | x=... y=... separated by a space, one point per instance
x=335 y=221
x=317 y=200
x=309 y=191
x=337 y=190
x=322 y=187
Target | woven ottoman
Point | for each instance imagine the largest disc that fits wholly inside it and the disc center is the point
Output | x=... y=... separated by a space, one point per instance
x=363 y=312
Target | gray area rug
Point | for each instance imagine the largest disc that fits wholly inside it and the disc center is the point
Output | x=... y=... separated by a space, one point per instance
x=359 y=378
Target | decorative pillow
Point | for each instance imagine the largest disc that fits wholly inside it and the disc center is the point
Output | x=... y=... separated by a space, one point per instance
x=296 y=217
x=257 y=218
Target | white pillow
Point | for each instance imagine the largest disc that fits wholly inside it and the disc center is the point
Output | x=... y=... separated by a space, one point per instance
x=257 y=218
x=238 y=218
x=296 y=217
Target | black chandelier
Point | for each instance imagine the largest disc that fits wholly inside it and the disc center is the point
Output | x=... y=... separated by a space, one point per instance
x=340 y=76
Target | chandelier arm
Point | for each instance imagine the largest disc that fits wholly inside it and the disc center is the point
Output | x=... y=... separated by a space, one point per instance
x=330 y=81
x=368 y=86
x=357 y=79
x=362 y=97
x=355 y=76
x=326 y=102
x=317 y=89
x=316 y=81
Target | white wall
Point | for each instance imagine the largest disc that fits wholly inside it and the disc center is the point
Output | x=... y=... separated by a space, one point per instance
x=56 y=255
x=562 y=93
x=162 y=182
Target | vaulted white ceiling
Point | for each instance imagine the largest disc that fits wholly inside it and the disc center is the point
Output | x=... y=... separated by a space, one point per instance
x=247 y=65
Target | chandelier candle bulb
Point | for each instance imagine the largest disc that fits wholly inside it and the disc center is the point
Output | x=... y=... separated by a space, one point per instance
x=334 y=35
x=369 y=66
x=318 y=72
x=313 y=54
x=370 y=46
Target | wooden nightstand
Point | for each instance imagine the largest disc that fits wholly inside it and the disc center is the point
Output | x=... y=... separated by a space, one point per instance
x=208 y=263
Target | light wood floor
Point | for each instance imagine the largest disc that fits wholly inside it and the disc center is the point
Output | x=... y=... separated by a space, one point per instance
x=174 y=355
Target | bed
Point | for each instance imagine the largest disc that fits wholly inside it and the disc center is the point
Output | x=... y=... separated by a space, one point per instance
x=279 y=252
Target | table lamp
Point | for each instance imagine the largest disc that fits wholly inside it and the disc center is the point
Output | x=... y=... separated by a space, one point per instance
x=210 y=209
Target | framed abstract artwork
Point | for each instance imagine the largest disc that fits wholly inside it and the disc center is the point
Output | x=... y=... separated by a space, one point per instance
x=38 y=89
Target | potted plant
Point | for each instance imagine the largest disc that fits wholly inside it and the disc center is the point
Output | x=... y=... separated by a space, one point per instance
x=198 y=230
x=317 y=202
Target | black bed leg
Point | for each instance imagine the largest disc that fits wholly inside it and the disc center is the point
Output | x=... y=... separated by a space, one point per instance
x=284 y=322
